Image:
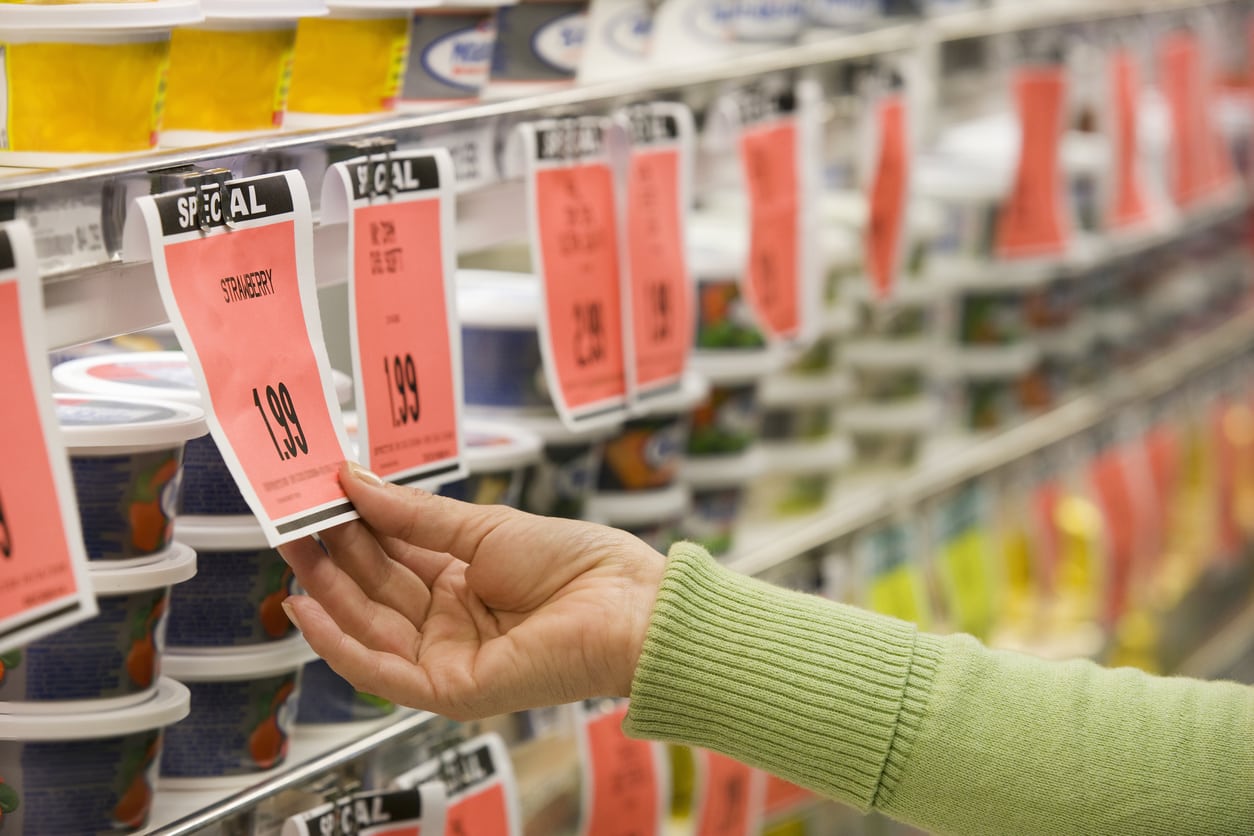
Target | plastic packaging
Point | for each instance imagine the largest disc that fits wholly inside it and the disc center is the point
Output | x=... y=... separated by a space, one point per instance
x=126 y=458
x=326 y=698
x=718 y=484
x=656 y=517
x=243 y=705
x=559 y=483
x=646 y=454
x=801 y=409
x=107 y=662
x=236 y=598
x=497 y=453
x=799 y=476
x=450 y=55
x=539 y=46
x=500 y=316
x=727 y=422
x=91 y=772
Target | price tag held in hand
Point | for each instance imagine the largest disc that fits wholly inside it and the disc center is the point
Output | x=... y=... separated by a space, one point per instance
x=730 y=796
x=405 y=339
x=234 y=265
x=888 y=194
x=1128 y=205
x=659 y=298
x=626 y=783
x=1036 y=219
x=44 y=585
x=574 y=245
x=480 y=787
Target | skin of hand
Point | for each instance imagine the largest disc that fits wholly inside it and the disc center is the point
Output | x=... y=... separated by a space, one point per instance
x=471 y=611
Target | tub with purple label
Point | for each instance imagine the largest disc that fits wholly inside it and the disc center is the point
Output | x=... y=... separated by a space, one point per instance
x=93 y=771
x=236 y=599
x=243 y=704
x=326 y=698
x=497 y=454
x=719 y=485
x=208 y=487
x=126 y=458
x=107 y=662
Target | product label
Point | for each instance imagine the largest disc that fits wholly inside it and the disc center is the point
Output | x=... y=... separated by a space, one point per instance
x=629 y=31
x=1034 y=221
x=964 y=559
x=327 y=697
x=42 y=559
x=410 y=812
x=1128 y=204
x=473 y=152
x=659 y=298
x=208 y=487
x=479 y=782
x=645 y=455
x=234 y=599
x=842 y=13
x=727 y=422
x=730 y=796
x=890 y=576
x=574 y=237
x=251 y=72
x=888 y=192
x=348 y=65
x=405 y=339
x=235 y=269
x=126 y=503
x=713 y=21
x=539 y=42
x=450 y=54
x=625 y=782
x=559 y=485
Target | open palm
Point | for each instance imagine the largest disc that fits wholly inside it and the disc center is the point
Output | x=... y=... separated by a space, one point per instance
x=469 y=610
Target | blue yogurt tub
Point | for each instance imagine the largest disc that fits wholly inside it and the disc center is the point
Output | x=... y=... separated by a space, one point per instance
x=326 y=698
x=208 y=487
x=497 y=455
x=107 y=662
x=126 y=459
x=501 y=361
x=93 y=771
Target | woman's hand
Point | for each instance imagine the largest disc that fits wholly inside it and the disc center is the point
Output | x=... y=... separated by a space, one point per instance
x=470 y=610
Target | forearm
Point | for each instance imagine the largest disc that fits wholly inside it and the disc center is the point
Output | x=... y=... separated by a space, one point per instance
x=936 y=731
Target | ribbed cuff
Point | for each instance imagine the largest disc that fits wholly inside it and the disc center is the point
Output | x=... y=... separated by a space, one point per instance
x=824 y=695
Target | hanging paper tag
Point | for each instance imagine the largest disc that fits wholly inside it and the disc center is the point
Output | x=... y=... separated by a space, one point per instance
x=482 y=792
x=1035 y=220
x=473 y=152
x=891 y=578
x=574 y=246
x=234 y=264
x=405 y=340
x=44 y=585
x=783 y=796
x=1162 y=456
x=626 y=786
x=1113 y=491
x=1181 y=81
x=658 y=302
x=887 y=194
x=417 y=811
x=1128 y=205
x=964 y=559
x=770 y=160
x=730 y=796
x=1227 y=532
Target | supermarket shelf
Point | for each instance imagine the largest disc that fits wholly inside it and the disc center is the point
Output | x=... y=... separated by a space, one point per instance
x=1224 y=649
x=765 y=546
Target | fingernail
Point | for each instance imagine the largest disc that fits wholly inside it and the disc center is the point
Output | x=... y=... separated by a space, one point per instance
x=291 y=614
x=364 y=476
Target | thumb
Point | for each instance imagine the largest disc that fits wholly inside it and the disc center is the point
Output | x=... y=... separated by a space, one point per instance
x=419 y=517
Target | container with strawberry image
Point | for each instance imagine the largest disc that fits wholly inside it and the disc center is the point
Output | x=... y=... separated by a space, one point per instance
x=137 y=777
x=8 y=662
x=143 y=657
x=9 y=800
x=154 y=502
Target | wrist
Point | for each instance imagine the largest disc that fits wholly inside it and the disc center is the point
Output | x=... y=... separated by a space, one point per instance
x=644 y=579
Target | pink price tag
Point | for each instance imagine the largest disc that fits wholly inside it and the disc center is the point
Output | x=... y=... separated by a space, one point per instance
x=406 y=346
x=660 y=294
x=481 y=791
x=1034 y=221
x=1180 y=78
x=622 y=779
x=1128 y=205
x=241 y=299
x=575 y=250
x=773 y=280
x=730 y=796
x=43 y=566
x=888 y=193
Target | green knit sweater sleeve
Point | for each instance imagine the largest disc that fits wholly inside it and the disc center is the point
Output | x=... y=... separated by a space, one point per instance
x=936 y=731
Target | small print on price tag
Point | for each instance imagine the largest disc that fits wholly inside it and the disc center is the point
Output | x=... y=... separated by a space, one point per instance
x=888 y=192
x=574 y=246
x=481 y=790
x=626 y=782
x=1035 y=220
x=44 y=585
x=658 y=301
x=730 y=796
x=417 y=811
x=1128 y=205
x=234 y=265
x=405 y=339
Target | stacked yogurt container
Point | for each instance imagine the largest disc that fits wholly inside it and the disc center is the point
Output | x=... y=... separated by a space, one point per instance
x=231 y=643
x=93 y=695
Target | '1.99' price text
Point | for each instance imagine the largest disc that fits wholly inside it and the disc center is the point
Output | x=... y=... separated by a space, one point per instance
x=589 y=334
x=402 y=377
x=283 y=411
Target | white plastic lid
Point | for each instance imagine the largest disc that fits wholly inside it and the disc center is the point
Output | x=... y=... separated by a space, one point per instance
x=951 y=179
x=909 y=293
x=545 y=425
x=717 y=246
x=973 y=274
x=800 y=457
x=262 y=9
x=158 y=14
x=177 y=564
x=630 y=509
x=803 y=390
x=495 y=445
x=171 y=703
x=226 y=533
x=889 y=354
x=723 y=471
x=727 y=366
x=906 y=418
x=692 y=390
x=148 y=374
x=215 y=664
x=498 y=299
x=837 y=321
x=90 y=421
x=990 y=362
